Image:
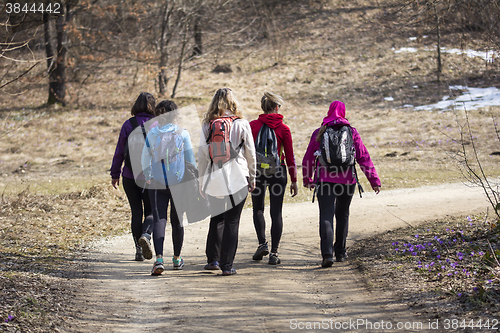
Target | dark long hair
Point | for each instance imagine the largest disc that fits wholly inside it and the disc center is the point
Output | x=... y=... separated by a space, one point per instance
x=165 y=106
x=168 y=111
x=145 y=103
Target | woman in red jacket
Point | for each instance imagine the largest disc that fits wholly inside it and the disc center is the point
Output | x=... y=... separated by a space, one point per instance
x=276 y=182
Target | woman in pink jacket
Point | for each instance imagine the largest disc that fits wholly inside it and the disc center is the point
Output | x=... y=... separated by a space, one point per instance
x=335 y=189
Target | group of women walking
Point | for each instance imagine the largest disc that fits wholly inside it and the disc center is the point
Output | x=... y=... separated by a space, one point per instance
x=228 y=171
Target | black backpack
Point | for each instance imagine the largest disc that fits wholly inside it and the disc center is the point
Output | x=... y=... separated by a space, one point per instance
x=126 y=154
x=266 y=151
x=337 y=149
x=338 y=153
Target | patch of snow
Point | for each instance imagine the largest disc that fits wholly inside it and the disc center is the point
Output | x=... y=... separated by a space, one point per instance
x=488 y=56
x=406 y=49
x=473 y=98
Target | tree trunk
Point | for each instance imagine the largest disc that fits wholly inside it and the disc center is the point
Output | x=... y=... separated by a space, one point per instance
x=164 y=41
x=439 y=64
x=198 y=42
x=162 y=75
x=181 y=63
x=56 y=63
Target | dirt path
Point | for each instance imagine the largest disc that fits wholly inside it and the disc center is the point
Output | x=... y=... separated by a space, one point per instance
x=121 y=296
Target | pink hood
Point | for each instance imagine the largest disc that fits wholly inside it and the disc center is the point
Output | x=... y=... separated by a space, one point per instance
x=336 y=115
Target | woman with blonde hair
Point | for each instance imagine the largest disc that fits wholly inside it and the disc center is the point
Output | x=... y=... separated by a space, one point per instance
x=226 y=159
x=272 y=123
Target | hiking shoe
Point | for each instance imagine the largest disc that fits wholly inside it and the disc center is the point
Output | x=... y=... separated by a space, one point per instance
x=232 y=271
x=341 y=258
x=273 y=259
x=158 y=267
x=178 y=263
x=262 y=251
x=212 y=266
x=327 y=262
x=138 y=254
x=145 y=243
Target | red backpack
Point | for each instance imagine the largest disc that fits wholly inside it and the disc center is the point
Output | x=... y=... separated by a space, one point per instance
x=220 y=148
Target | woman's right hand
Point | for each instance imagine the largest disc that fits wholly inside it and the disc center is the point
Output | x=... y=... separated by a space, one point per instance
x=251 y=186
x=115 y=182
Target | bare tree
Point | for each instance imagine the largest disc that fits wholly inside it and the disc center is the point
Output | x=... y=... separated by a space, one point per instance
x=168 y=29
x=471 y=166
x=17 y=33
x=56 y=59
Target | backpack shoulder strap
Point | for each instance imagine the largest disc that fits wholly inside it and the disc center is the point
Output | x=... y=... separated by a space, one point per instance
x=210 y=130
x=134 y=122
x=234 y=118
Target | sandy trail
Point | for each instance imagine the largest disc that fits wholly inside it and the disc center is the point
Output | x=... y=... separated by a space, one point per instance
x=119 y=295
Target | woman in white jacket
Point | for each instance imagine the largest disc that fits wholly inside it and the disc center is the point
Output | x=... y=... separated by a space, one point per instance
x=227 y=183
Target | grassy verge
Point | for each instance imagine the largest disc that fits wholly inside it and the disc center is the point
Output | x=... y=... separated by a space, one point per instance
x=42 y=237
x=442 y=269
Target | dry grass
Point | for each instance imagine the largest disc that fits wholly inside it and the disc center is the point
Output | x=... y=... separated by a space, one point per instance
x=42 y=237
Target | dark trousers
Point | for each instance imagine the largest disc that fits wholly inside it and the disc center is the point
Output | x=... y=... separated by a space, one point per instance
x=140 y=206
x=160 y=200
x=277 y=187
x=222 y=239
x=334 y=199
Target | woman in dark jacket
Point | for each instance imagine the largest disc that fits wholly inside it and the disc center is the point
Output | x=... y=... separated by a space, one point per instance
x=270 y=104
x=138 y=198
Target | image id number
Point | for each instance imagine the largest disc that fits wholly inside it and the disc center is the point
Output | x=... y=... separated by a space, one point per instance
x=455 y=324
x=17 y=8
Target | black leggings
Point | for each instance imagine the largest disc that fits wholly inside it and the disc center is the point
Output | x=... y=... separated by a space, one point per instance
x=334 y=199
x=138 y=199
x=222 y=239
x=160 y=200
x=277 y=188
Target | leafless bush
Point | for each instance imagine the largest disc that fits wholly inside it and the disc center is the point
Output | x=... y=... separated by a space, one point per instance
x=471 y=165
